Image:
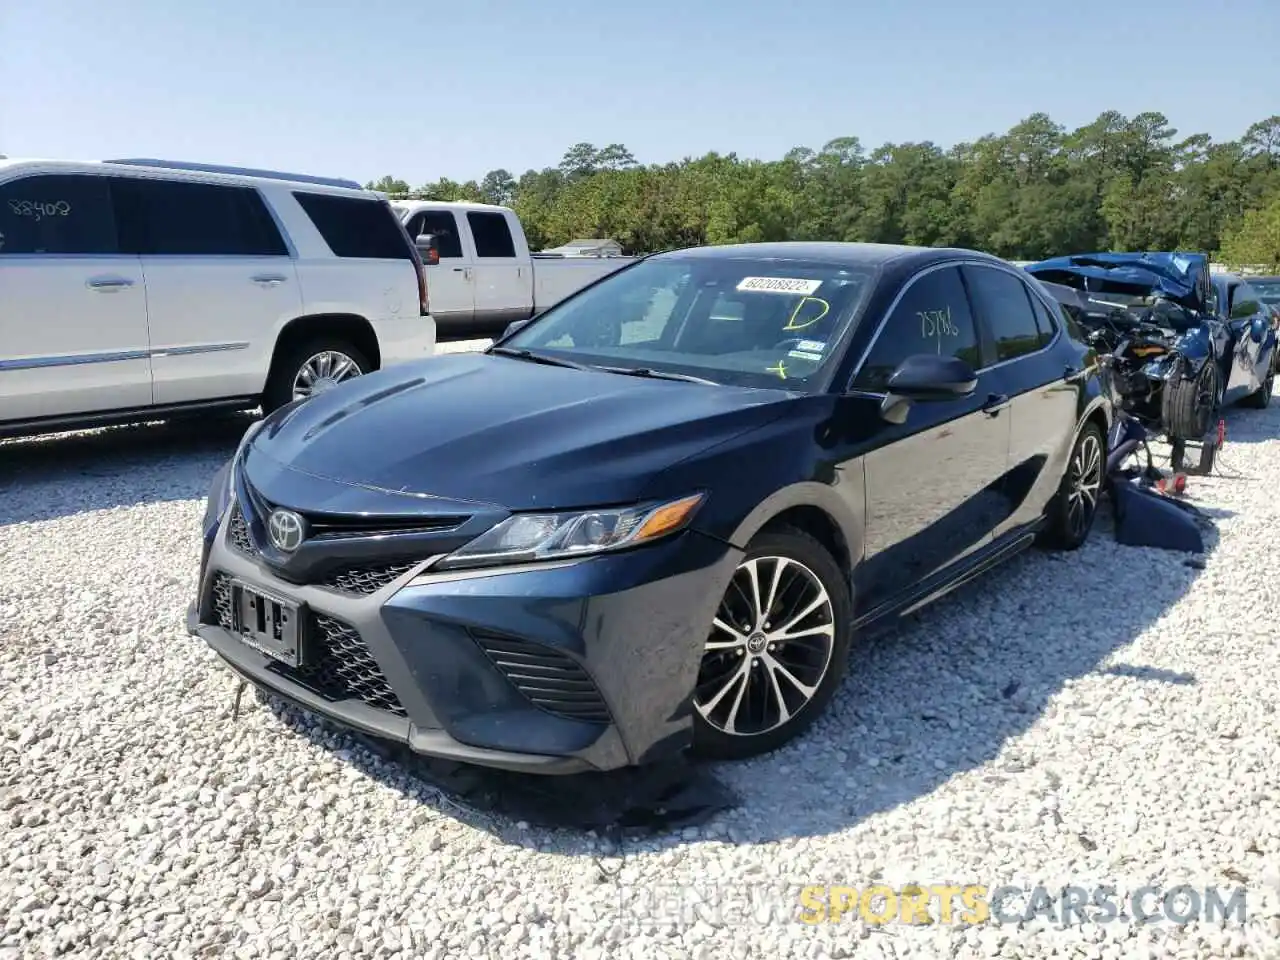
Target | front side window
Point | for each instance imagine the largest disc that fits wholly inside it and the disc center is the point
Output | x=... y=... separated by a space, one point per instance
x=931 y=317
x=1244 y=302
x=57 y=215
x=357 y=227
x=1002 y=301
x=1268 y=291
x=444 y=226
x=744 y=322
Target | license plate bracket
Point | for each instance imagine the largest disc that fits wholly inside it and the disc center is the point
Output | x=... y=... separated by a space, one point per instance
x=269 y=624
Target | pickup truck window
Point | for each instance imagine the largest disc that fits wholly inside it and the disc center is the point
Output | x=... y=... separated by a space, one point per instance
x=492 y=235
x=444 y=225
x=744 y=322
x=57 y=215
x=354 y=227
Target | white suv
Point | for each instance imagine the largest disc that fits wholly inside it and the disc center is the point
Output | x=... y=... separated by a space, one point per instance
x=142 y=289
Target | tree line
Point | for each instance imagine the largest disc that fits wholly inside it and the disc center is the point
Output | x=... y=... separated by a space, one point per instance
x=1039 y=190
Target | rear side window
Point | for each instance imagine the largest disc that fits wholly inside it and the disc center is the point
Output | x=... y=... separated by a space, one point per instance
x=1044 y=321
x=53 y=215
x=444 y=225
x=932 y=317
x=492 y=235
x=1002 y=301
x=356 y=227
x=172 y=218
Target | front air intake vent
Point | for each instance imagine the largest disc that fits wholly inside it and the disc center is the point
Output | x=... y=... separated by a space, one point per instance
x=548 y=678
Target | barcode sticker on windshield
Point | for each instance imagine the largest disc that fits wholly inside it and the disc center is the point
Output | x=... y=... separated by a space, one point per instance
x=788 y=285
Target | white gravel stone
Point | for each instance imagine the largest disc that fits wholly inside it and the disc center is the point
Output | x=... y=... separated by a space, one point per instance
x=1107 y=717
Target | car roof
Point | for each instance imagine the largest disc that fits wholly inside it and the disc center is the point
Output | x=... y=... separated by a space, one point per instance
x=185 y=170
x=836 y=253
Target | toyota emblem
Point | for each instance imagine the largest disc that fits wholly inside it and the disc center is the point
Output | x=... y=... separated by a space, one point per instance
x=285 y=529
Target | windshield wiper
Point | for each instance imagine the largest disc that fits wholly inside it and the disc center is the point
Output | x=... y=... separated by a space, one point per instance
x=532 y=357
x=657 y=374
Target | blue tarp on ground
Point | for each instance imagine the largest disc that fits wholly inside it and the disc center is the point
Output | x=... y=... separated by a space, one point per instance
x=1181 y=277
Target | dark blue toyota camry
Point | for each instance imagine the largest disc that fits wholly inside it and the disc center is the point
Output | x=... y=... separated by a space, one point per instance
x=655 y=517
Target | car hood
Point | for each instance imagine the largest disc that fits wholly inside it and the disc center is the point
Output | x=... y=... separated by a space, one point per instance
x=493 y=430
x=1181 y=277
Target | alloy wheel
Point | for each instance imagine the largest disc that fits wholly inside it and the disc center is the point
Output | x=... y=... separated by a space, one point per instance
x=770 y=646
x=322 y=372
x=1086 y=482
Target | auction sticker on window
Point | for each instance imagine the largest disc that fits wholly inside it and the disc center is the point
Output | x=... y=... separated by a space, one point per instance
x=787 y=285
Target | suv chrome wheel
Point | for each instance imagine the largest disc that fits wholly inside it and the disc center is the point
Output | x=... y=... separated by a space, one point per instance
x=770 y=647
x=322 y=372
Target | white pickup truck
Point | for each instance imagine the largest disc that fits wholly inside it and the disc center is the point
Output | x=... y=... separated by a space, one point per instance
x=481 y=276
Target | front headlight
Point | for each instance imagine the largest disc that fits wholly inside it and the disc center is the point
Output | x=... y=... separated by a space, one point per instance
x=528 y=537
x=222 y=486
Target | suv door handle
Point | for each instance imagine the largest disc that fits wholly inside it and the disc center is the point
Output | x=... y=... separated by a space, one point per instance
x=995 y=403
x=269 y=280
x=109 y=284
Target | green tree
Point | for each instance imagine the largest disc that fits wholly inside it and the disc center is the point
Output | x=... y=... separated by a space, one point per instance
x=1255 y=242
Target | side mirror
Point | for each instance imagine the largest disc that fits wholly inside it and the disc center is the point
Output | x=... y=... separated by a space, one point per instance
x=924 y=378
x=426 y=244
x=515 y=326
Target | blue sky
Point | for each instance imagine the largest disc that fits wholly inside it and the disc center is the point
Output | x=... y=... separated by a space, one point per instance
x=458 y=87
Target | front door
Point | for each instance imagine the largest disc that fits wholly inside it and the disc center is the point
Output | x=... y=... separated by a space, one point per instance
x=1248 y=324
x=451 y=282
x=933 y=483
x=220 y=283
x=73 y=309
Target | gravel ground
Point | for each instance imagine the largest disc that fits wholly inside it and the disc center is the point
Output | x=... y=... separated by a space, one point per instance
x=1017 y=733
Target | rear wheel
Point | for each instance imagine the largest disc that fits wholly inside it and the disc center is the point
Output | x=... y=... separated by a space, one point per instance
x=311 y=367
x=777 y=650
x=1075 y=505
x=1189 y=406
x=1261 y=398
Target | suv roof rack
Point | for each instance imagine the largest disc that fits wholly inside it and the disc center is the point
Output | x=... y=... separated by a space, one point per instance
x=240 y=171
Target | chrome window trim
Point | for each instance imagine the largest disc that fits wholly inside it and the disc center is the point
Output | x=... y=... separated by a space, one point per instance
x=117 y=356
x=933 y=268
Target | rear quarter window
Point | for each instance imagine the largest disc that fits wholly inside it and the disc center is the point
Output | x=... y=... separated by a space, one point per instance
x=356 y=228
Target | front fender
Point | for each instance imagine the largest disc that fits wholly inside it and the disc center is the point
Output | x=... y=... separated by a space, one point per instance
x=1194 y=347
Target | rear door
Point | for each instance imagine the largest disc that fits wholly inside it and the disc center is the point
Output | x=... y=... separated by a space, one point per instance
x=503 y=284
x=220 y=282
x=451 y=282
x=933 y=483
x=73 y=309
x=1042 y=404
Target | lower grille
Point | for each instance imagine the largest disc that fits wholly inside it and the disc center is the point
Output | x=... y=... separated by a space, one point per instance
x=549 y=679
x=338 y=664
x=367 y=578
x=238 y=532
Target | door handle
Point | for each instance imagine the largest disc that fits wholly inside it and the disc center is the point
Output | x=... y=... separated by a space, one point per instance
x=109 y=284
x=270 y=280
x=995 y=403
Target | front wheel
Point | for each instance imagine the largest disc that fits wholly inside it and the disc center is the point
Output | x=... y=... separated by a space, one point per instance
x=777 y=649
x=311 y=367
x=1189 y=406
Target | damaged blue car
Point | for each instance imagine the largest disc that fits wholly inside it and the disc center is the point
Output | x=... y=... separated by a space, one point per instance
x=1181 y=343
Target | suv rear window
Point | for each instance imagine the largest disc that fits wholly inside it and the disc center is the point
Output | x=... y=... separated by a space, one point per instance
x=354 y=227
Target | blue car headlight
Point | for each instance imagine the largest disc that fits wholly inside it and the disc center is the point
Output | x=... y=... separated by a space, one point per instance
x=222 y=488
x=530 y=537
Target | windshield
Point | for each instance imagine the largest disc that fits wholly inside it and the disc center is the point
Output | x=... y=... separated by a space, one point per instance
x=744 y=322
x=1268 y=291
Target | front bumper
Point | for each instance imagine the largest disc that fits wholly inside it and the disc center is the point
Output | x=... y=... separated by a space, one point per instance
x=554 y=668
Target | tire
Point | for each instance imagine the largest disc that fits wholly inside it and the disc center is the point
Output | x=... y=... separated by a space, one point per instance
x=1260 y=399
x=292 y=360
x=1184 y=412
x=735 y=700
x=1075 y=505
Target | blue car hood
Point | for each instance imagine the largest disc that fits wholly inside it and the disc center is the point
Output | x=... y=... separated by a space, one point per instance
x=1181 y=277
